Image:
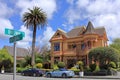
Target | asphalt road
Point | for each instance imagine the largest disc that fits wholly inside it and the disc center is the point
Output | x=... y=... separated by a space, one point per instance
x=19 y=77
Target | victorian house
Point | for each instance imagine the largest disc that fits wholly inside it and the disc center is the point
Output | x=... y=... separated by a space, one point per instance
x=75 y=45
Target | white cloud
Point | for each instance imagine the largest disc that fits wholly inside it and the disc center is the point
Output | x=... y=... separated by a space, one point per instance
x=101 y=12
x=83 y=3
x=110 y=22
x=70 y=1
x=5 y=10
x=49 y=6
x=72 y=16
x=4 y=23
x=48 y=33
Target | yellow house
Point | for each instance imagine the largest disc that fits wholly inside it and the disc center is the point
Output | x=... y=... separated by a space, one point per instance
x=75 y=45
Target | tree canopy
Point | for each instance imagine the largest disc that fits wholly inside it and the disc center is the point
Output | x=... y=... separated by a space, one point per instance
x=116 y=44
x=6 y=59
x=104 y=55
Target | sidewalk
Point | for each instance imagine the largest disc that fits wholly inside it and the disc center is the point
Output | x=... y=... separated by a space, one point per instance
x=115 y=77
x=101 y=77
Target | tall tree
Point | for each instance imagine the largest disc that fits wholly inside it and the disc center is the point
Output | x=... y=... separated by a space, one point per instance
x=116 y=44
x=34 y=19
x=6 y=59
x=104 y=55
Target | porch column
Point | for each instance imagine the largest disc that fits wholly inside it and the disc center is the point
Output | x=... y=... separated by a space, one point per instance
x=92 y=44
x=52 y=54
x=87 y=60
x=61 y=51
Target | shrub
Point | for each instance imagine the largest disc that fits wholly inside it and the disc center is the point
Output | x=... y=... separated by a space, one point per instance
x=112 y=64
x=92 y=67
x=80 y=64
x=87 y=68
x=105 y=66
x=28 y=66
x=74 y=69
x=55 y=67
x=61 y=64
x=19 y=70
x=39 y=65
x=38 y=60
x=18 y=65
x=97 y=68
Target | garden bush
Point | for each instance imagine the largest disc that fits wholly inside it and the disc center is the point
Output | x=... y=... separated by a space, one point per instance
x=38 y=60
x=80 y=64
x=87 y=69
x=61 y=64
x=92 y=67
x=112 y=64
x=19 y=70
x=54 y=67
x=97 y=68
x=76 y=71
x=28 y=66
x=39 y=65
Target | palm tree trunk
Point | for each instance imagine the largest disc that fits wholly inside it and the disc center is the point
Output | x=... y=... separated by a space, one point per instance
x=33 y=46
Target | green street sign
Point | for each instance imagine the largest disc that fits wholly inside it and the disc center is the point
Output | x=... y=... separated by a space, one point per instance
x=15 y=38
x=13 y=32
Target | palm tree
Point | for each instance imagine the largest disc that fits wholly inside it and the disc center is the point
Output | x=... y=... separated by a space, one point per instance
x=34 y=19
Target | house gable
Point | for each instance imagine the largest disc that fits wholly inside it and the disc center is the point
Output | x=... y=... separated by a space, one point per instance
x=59 y=34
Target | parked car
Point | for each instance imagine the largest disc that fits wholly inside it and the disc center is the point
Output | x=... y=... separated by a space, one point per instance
x=32 y=72
x=64 y=73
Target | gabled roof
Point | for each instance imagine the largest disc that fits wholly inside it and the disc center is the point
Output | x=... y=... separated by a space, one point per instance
x=63 y=32
x=75 y=32
x=82 y=30
x=100 y=30
x=90 y=29
x=21 y=52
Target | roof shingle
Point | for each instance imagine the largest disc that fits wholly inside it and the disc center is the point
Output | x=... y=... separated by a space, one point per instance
x=90 y=29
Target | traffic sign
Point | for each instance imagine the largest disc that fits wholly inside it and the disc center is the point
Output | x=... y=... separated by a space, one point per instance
x=13 y=32
x=15 y=38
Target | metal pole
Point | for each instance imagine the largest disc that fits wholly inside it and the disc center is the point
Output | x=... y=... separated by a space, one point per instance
x=14 y=74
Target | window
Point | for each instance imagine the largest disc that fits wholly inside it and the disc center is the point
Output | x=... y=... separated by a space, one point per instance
x=82 y=46
x=71 y=46
x=57 y=46
x=89 y=44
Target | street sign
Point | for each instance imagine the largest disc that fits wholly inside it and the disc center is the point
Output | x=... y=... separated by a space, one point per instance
x=13 y=32
x=15 y=38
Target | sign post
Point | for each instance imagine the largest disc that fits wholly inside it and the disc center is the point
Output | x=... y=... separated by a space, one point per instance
x=14 y=75
x=17 y=35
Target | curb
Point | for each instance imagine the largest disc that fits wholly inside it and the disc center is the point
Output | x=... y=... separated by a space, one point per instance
x=99 y=77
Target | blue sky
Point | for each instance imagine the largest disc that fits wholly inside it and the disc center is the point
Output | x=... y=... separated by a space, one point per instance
x=64 y=14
